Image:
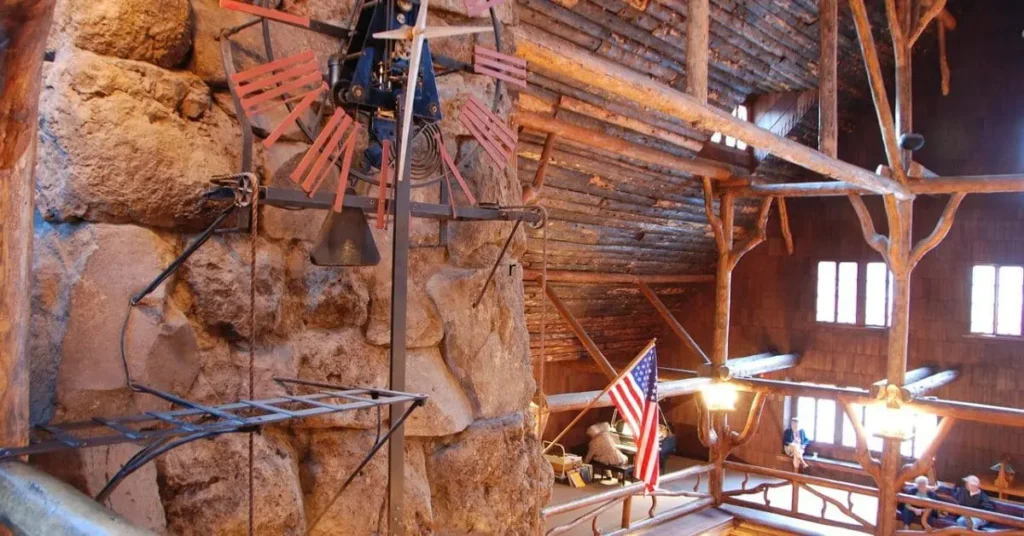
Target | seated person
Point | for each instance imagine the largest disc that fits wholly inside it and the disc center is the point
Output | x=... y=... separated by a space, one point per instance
x=602 y=447
x=920 y=489
x=794 y=442
x=971 y=496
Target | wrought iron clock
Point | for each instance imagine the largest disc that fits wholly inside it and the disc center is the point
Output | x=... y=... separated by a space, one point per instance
x=381 y=84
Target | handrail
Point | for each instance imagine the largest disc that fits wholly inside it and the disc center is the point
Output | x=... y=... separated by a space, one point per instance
x=796 y=482
x=931 y=504
x=606 y=500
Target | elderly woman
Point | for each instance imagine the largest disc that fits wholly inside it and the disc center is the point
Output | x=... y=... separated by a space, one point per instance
x=922 y=489
x=794 y=442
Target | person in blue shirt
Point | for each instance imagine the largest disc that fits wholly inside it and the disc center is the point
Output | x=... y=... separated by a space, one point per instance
x=794 y=442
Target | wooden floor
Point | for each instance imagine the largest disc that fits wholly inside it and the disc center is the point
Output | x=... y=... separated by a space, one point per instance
x=707 y=522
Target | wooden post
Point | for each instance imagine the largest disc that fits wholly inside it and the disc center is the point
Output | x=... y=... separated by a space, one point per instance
x=23 y=28
x=532 y=192
x=904 y=78
x=581 y=334
x=828 y=94
x=627 y=511
x=698 y=24
x=677 y=328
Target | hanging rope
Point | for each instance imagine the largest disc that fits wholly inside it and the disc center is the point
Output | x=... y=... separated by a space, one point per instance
x=252 y=340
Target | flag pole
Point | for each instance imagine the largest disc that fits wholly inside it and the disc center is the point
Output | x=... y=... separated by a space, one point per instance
x=593 y=402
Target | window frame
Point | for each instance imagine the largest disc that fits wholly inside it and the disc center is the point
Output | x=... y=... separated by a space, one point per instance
x=860 y=299
x=836 y=449
x=994 y=328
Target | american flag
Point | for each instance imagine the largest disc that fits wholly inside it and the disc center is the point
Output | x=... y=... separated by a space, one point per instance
x=636 y=397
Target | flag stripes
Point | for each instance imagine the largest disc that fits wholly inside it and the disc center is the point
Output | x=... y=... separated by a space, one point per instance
x=635 y=395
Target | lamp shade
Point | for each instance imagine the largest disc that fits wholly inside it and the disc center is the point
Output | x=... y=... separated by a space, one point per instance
x=719 y=396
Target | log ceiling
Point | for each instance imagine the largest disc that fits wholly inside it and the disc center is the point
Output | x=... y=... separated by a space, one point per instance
x=628 y=207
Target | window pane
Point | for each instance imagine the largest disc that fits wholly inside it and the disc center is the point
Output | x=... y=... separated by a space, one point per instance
x=888 y=312
x=825 y=424
x=875 y=294
x=847 y=306
x=849 y=434
x=716 y=137
x=805 y=412
x=907 y=448
x=873 y=414
x=826 y=306
x=1011 y=285
x=983 y=288
x=924 y=432
x=730 y=141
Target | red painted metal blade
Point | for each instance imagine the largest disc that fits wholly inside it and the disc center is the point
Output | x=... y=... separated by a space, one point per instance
x=450 y=164
x=497 y=139
x=293 y=117
x=475 y=8
x=332 y=124
x=290 y=87
x=272 y=14
x=500 y=66
x=346 y=167
x=317 y=175
x=269 y=67
x=384 y=179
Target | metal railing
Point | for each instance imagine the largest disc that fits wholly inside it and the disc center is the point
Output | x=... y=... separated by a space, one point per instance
x=602 y=502
x=799 y=482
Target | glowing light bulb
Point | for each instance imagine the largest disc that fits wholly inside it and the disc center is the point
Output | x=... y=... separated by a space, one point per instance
x=719 y=396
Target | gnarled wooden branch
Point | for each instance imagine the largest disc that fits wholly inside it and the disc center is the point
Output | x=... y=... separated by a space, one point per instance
x=877 y=242
x=870 y=465
x=713 y=220
x=787 y=233
x=758 y=235
x=943 y=59
x=942 y=228
x=894 y=22
x=927 y=459
x=877 y=84
x=842 y=507
x=926 y=18
x=737 y=440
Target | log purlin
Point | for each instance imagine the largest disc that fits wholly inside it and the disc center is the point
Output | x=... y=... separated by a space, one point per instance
x=966 y=184
x=573 y=62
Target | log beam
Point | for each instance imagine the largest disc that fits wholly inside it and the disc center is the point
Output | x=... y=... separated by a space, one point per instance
x=917 y=374
x=581 y=334
x=24 y=25
x=593 y=138
x=603 y=278
x=965 y=184
x=576 y=63
x=577 y=401
x=698 y=32
x=828 y=81
x=674 y=324
x=744 y=367
x=927 y=384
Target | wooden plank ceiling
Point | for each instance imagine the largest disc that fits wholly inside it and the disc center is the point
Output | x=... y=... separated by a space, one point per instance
x=613 y=213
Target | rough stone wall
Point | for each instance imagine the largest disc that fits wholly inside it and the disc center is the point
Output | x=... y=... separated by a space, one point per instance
x=135 y=119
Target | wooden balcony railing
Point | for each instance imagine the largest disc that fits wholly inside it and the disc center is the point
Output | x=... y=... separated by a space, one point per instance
x=931 y=505
x=602 y=502
x=797 y=482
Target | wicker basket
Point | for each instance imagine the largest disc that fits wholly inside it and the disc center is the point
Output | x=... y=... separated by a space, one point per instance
x=562 y=463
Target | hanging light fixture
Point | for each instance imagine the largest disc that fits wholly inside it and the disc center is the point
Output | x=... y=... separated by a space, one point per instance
x=894 y=422
x=719 y=396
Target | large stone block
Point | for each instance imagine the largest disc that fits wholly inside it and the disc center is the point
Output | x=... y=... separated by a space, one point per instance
x=86 y=276
x=447 y=410
x=137 y=498
x=330 y=297
x=490 y=479
x=127 y=142
x=330 y=456
x=158 y=32
x=424 y=324
x=204 y=486
x=487 y=347
x=219 y=277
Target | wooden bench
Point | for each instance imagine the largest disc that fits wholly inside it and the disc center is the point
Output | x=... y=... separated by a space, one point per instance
x=830 y=464
x=945 y=494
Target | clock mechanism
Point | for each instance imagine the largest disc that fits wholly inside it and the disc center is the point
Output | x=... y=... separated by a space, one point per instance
x=380 y=92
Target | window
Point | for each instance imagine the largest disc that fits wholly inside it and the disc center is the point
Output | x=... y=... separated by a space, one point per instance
x=741 y=113
x=838 y=285
x=878 y=295
x=924 y=428
x=837 y=292
x=997 y=293
x=826 y=424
